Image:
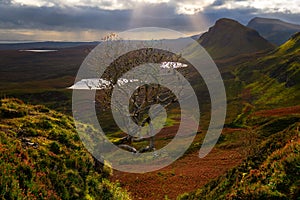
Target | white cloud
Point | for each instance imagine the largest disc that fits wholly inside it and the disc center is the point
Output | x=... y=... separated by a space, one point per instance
x=187 y=7
x=267 y=6
x=152 y=1
x=190 y=7
x=182 y=6
x=37 y=3
x=103 y=4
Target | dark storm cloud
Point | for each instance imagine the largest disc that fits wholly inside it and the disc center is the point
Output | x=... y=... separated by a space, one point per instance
x=244 y=15
x=24 y=17
x=70 y=18
x=241 y=15
x=219 y=2
x=16 y=16
x=5 y=2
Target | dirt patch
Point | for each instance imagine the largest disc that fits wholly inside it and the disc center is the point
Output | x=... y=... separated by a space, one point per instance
x=278 y=111
x=185 y=175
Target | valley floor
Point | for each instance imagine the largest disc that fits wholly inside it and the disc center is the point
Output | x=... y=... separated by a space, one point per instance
x=184 y=175
x=190 y=172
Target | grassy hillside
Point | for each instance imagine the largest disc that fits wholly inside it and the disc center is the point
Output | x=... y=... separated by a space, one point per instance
x=274 y=80
x=272 y=169
x=42 y=157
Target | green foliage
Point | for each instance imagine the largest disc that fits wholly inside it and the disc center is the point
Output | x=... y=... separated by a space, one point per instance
x=10 y=110
x=54 y=147
x=278 y=124
x=274 y=80
x=240 y=120
x=58 y=168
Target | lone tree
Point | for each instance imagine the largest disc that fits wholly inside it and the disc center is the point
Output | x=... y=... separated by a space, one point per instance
x=145 y=97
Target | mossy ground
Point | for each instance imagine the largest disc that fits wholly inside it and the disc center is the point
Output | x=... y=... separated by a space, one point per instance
x=42 y=157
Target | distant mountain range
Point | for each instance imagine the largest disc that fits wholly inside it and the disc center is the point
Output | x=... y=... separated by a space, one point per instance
x=274 y=30
x=228 y=38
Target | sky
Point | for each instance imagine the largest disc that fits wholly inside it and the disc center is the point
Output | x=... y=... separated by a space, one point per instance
x=91 y=20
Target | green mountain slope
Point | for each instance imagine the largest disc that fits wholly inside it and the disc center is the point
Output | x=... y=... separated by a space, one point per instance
x=228 y=38
x=272 y=168
x=274 y=30
x=274 y=80
x=42 y=157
